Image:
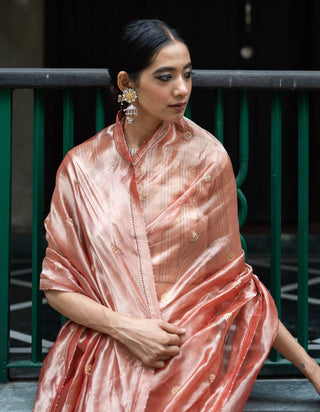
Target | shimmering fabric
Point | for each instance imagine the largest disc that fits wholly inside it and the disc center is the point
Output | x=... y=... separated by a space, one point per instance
x=122 y=228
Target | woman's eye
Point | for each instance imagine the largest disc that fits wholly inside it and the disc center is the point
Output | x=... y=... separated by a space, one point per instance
x=165 y=77
x=188 y=74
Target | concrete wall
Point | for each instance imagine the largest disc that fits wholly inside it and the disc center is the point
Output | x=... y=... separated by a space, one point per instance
x=21 y=45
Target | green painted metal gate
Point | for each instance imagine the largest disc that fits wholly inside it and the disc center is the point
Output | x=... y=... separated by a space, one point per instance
x=299 y=83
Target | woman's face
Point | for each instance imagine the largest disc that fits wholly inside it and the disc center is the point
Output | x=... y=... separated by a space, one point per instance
x=164 y=87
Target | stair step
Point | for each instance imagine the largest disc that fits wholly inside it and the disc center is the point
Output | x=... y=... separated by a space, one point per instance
x=268 y=395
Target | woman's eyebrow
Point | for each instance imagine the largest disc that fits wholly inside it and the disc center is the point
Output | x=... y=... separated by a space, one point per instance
x=169 y=68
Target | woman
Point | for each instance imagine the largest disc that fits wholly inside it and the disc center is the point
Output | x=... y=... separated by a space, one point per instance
x=145 y=260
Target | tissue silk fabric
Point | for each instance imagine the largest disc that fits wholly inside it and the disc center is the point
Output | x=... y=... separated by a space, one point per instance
x=123 y=227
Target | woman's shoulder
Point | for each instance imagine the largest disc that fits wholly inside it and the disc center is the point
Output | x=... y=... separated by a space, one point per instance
x=202 y=138
x=92 y=148
x=88 y=154
x=199 y=140
x=95 y=143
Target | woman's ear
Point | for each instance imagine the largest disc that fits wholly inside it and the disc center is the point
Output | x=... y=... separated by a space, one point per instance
x=123 y=80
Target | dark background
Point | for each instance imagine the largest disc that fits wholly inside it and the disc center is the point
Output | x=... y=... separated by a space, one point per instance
x=284 y=35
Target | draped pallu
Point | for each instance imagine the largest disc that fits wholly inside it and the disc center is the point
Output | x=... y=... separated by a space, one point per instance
x=122 y=227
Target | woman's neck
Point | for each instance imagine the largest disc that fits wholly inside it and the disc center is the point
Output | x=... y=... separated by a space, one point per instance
x=137 y=132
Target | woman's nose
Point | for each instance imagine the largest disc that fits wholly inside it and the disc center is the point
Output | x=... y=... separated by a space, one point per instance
x=181 y=88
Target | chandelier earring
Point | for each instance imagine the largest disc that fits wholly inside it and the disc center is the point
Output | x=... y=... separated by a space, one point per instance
x=129 y=96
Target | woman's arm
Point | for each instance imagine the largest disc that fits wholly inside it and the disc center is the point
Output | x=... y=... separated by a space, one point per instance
x=286 y=344
x=153 y=341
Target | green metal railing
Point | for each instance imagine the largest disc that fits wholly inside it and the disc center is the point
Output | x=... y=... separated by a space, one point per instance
x=220 y=81
x=5 y=218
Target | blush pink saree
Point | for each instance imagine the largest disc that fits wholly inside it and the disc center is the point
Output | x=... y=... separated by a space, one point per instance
x=120 y=227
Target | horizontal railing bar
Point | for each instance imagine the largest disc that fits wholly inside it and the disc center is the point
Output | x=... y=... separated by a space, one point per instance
x=54 y=78
x=257 y=79
x=284 y=361
x=222 y=79
x=29 y=364
x=23 y=364
x=280 y=368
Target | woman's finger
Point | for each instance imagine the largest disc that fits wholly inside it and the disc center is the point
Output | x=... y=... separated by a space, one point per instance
x=171 y=328
x=169 y=352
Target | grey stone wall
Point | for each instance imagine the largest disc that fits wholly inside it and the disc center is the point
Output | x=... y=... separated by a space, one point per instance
x=22 y=45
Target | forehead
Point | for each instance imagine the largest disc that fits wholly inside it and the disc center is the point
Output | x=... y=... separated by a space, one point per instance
x=175 y=54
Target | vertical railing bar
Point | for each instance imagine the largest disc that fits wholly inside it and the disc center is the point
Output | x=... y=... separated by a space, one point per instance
x=243 y=140
x=68 y=121
x=188 y=112
x=5 y=219
x=303 y=217
x=276 y=133
x=218 y=116
x=100 y=117
x=243 y=162
x=37 y=222
x=275 y=251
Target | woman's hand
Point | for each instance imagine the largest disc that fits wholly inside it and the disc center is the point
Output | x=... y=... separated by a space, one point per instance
x=153 y=341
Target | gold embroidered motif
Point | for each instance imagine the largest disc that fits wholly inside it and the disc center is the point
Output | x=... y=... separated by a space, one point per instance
x=164 y=298
x=76 y=182
x=115 y=249
x=93 y=268
x=237 y=283
x=227 y=316
x=175 y=389
x=143 y=196
x=212 y=377
x=187 y=135
x=194 y=237
x=230 y=256
x=88 y=369
x=207 y=178
x=69 y=221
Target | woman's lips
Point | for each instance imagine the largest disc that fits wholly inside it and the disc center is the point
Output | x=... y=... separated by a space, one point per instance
x=179 y=107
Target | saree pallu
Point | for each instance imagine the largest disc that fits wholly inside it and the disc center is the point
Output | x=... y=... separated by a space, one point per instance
x=120 y=226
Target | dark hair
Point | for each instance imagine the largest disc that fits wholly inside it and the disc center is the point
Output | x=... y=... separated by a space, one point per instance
x=135 y=46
